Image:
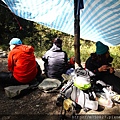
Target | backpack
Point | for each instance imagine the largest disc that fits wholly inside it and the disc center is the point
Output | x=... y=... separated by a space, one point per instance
x=80 y=94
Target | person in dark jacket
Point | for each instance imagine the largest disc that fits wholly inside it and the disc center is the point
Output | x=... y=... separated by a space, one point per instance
x=100 y=63
x=22 y=66
x=55 y=60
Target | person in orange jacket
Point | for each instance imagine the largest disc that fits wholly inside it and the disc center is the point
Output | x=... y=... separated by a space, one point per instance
x=21 y=64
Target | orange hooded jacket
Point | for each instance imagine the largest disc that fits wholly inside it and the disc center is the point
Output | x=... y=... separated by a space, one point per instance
x=21 y=61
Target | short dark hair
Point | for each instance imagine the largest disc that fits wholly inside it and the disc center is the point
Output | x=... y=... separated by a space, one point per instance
x=57 y=41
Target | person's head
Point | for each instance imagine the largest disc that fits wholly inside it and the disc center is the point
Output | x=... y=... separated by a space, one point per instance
x=58 y=42
x=13 y=42
x=102 y=53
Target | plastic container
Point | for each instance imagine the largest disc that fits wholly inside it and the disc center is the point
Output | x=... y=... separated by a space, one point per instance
x=67 y=104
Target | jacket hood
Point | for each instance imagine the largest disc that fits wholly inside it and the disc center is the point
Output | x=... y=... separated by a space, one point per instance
x=26 y=48
x=55 y=48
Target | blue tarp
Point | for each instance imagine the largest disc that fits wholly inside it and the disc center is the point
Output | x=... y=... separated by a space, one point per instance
x=99 y=20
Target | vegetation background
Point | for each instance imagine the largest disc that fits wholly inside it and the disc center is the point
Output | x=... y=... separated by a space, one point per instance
x=40 y=37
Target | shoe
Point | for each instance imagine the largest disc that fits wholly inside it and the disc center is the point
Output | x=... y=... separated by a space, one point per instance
x=34 y=84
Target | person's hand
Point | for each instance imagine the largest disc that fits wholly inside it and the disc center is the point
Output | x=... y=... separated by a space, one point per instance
x=111 y=69
x=103 y=68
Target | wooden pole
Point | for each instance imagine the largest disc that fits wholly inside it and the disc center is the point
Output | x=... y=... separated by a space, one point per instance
x=77 y=34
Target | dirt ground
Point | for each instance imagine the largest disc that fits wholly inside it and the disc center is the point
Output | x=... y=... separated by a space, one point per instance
x=37 y=105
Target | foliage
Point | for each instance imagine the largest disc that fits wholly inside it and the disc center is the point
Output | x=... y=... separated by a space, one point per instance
x=115 y=53
x=86 y=48
x=13 y=26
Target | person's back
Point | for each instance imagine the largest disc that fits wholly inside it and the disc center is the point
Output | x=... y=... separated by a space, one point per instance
x=22 y=65
x=21 y=61
x=55 y=60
